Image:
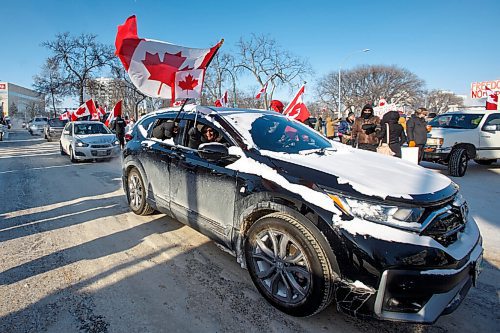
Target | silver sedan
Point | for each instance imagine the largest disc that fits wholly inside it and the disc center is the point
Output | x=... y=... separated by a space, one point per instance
x=88 y=140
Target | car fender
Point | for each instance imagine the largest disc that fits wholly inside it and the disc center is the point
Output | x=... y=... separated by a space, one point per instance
x=255 y=206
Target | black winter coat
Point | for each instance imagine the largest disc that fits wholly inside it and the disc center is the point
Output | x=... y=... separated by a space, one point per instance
x=416 y=130
x=119 y=126
x=396 y=131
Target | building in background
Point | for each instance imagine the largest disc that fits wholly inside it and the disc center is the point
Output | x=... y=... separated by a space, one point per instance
x=17 y=101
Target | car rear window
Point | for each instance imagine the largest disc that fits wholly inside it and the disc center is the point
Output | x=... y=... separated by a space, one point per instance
x=57 y=122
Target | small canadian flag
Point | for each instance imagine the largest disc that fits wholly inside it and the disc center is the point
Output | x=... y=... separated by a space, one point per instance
x=492 y=99
x=117 y=110
x=222 y=102
x=262 y=91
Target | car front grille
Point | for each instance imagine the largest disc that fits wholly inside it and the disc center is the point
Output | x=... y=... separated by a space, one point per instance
x=101 y=146
x=446 y=226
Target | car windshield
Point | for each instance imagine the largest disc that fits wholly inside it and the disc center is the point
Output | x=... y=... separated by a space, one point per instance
x=457 y=120
x=281 y=134
x=88 y=129
x=40 y=119
x=57 y=122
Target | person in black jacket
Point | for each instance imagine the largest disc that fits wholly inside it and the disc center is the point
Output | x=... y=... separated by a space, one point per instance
x=119 y=128
x=397 y=136
x=416 y=130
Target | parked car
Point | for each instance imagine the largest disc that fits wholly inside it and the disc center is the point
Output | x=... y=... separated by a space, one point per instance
x=35 y=126
x=457 y=137
x=54 y=128
x=312 y=220
x=88 y=140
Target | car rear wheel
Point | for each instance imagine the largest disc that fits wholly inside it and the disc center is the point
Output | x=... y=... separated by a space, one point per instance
x=485 y=162
x=457 y=165
x=136 y=194
x=288 y=265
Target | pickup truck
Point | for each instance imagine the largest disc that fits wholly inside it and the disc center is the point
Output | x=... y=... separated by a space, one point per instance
x=457 y=137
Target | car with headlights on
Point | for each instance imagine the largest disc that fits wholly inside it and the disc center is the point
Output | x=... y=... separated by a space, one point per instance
x=88 y=140
x=53 y=129
x=36 y=125
x=313 y=220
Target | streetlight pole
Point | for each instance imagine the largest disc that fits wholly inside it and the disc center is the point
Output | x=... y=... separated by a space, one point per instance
x=340 y=69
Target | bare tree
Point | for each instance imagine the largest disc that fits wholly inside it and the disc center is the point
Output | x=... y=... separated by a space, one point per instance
x=266 y=61
x=220 y=71
x=80 y=57
x=439 y=101
x=367 y=84
x=51 y=83
x=126 y=90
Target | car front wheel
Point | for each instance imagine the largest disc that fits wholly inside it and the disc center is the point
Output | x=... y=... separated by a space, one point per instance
x=72 y=155
x=288 y=265
x=136 y=194
x=457 y=165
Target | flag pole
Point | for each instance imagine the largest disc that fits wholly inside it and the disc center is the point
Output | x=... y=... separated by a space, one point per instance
x=181 y=109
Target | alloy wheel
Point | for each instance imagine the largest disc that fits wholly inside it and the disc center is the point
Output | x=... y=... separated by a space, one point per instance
x=135 y=191
x=281 y=266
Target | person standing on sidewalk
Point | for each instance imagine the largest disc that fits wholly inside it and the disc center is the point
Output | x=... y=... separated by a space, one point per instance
x=416 y=131
x=363 y=131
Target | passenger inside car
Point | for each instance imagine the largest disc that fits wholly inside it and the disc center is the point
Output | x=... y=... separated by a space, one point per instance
x=205 y=134
x=165 y=129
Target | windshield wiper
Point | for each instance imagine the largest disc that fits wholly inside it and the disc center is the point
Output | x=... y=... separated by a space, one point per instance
x=319 y=151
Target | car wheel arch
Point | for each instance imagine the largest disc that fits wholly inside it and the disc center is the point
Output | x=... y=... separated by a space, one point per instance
x=313 y=222
x=469 y=148
x=128 y=166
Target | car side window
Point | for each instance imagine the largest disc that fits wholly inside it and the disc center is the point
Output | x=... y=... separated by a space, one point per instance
x=144 y=127
x=203 y=131
x=493 y=119
x=164 y=129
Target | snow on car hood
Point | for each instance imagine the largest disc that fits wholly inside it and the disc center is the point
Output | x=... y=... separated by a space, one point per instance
x=96 y=138
x=370 y=173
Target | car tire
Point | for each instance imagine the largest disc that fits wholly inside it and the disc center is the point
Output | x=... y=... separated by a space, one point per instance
x=72 y=156
x=62 y=150
x=288 y=265
x=457 y=165
x=136 y=194
x=485 y=162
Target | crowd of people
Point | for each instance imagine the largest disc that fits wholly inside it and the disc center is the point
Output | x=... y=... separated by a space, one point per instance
x=369 y=132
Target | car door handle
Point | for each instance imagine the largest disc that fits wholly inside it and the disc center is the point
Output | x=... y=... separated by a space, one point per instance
x=180 y=156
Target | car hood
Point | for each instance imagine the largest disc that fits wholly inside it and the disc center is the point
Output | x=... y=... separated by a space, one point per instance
x=365 y=173
x=440 y=131
x=96 y=138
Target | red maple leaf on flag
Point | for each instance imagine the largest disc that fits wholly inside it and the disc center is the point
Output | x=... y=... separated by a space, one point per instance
x=163 y=71
x=188 y=83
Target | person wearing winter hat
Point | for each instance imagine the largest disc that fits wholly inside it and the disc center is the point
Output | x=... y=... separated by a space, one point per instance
x=364 y=134
x=390 y=121
x=416 y=129
x=277 y=106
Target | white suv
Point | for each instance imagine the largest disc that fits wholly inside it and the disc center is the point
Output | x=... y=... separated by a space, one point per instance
x=457 y=137
x=37 y=124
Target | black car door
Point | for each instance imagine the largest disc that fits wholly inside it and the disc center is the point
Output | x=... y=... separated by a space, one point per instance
x=156 y=159
x=202 y=192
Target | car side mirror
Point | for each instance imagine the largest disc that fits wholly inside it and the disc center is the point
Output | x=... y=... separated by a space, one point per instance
x=490 y=128
x=213 y=151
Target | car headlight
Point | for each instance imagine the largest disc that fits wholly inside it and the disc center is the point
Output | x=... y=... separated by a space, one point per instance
x=81 y=144
x=435 y=141
x=394 y=216
x=116 y=142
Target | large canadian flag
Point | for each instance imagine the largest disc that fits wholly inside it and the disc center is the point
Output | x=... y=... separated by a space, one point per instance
x=262 y=91
x=491 y=100
x=86 y=109
x=297 y=109
x=117 y=110
x=160 y=69
x=222 y=102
